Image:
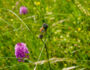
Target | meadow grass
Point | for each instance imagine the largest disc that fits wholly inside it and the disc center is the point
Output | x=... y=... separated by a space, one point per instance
x=68 y=34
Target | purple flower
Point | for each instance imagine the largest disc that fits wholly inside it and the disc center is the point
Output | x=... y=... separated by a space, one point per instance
x=23 y=10
x=21 y=51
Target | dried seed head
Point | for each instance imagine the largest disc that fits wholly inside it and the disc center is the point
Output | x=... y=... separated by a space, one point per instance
x=45 y=26
x=42 y=29
x=40 y=36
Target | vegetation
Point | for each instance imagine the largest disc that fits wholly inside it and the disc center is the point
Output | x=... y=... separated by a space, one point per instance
x=67 y=36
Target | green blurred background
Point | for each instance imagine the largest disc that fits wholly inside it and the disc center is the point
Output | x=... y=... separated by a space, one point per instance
x=68 y=34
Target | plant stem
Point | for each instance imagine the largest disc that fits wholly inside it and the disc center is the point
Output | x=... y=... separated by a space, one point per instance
x=47 y=54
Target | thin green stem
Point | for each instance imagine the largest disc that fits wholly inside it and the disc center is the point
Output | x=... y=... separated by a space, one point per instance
x=47 y=54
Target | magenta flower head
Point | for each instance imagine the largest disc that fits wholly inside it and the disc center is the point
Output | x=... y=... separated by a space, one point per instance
x=21 y=51
x=23 y=10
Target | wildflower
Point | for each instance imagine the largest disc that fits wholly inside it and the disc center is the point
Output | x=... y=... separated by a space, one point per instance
x=21 y=51
x=11 y=19
x=17 y=3
x=13 y=7
x=79 y=29
x=23 y=10
x=0 y=17
x=65 y=65
x=37 y=3
x=13 y=40
x=79 y=40
x=54 y=39
x=61 y=36
x=46 y=8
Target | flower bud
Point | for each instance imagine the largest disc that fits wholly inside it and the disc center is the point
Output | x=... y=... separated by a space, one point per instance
x=23 y=10
x=40 y=36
